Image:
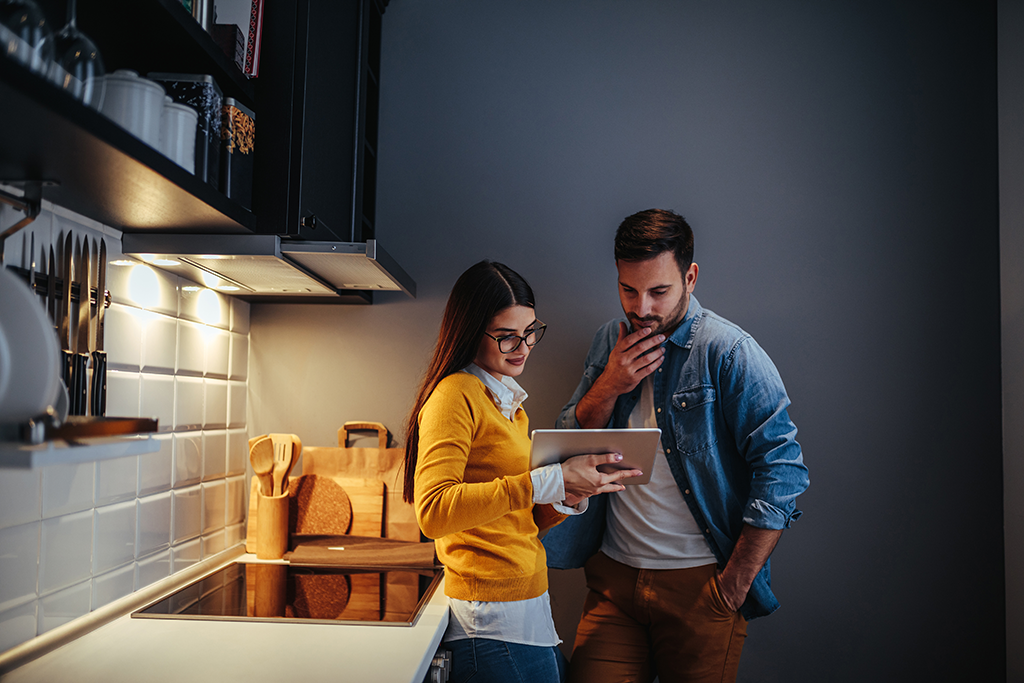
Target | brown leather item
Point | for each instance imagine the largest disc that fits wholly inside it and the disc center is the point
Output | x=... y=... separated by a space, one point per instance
x=360 y=551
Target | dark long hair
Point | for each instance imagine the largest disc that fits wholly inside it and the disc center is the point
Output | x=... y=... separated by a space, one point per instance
x=479 y=294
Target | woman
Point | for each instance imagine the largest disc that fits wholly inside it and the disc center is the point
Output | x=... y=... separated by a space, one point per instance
x=467 y=471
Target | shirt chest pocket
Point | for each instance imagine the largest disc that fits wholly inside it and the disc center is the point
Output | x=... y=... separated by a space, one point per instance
x=693 y=412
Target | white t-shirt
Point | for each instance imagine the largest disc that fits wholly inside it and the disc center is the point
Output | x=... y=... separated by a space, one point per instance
x=650 y=526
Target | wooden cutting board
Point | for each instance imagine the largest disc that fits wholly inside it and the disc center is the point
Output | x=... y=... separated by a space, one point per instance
x=366 y=496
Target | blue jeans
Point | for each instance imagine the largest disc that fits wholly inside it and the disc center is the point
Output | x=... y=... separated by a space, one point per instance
x=495 y=661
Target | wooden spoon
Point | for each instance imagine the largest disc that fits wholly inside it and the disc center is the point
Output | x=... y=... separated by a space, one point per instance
x=261 y=455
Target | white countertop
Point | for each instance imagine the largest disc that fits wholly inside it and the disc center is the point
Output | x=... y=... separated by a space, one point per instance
x=158 y=650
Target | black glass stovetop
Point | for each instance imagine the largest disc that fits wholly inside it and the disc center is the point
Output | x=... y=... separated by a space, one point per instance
x=303 y=594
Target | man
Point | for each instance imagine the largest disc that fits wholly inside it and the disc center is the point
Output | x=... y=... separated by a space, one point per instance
x=675 y=568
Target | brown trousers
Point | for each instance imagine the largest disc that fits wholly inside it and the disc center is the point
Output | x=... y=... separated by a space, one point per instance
x=642 y=623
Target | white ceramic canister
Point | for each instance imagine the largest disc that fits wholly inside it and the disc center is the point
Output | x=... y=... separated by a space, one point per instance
x=135 y=103
x=178 y=134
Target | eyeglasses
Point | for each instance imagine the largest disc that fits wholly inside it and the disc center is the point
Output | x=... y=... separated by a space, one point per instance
x=511 y=342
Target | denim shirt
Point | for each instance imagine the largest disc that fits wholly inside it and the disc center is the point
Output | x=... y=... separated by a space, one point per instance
x=727 y=436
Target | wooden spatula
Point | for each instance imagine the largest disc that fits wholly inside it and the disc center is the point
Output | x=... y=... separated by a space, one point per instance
x=261 y=455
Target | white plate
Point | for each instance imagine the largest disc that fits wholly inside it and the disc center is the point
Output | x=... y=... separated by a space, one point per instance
x=29 y=353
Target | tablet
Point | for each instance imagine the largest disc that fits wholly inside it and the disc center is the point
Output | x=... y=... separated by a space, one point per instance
x=638 y=448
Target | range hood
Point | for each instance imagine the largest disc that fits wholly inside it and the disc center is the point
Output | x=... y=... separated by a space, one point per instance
x=267 y=268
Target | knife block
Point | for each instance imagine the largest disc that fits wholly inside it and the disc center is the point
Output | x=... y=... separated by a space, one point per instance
x=272 y=526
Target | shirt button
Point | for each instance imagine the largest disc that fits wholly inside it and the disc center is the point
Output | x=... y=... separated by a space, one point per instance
x=707 y=531
x=683 y=404
x=659 y=410
x=659 y=369
x=668 y=450
x=687 y=491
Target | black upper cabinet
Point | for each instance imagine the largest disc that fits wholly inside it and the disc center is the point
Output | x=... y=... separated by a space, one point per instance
x=317 y=108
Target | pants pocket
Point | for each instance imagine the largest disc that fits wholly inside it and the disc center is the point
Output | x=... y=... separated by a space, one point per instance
x=717 y=603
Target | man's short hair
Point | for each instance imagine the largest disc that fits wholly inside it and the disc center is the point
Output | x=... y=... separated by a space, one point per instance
x=650 y=233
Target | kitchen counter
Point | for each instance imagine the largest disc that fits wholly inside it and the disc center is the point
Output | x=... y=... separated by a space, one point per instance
x=158 y=650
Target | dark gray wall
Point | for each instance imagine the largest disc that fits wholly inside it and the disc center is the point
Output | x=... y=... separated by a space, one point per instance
x=838 y=162
x=1011 y=247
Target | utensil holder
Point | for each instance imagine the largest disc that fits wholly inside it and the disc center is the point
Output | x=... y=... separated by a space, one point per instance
x=271 y=526
x=271 y=589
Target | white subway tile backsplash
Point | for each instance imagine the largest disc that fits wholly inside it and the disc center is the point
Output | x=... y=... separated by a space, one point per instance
x=151 y=569
x=236 y=500
x=156 y=469
x=122 y=337
x=214 y=506
x=145 y=287
x=234 y=535
x=237 y=395
x=188 y=459
x=64 y=605
x=206 y=306
x=65 y=553
x=185 y=555
x=189 y=402
x=158 y=400
x=117 y=480
x=17 y=248
x=240 y=316
x=160 y=343
x=19 y=497
x=191 y=348
x=188 y=514
x=215 y=454
x=239 y=368
x=114 y=536
x=218 y=352
x=238 y=451
x=112 y=586
x=19 y=564
x=119 y=274
x=216 y=416
x=18 y=625
x=67 y=488
x=123 y=391
x=154 y=524
x=214 y=542
x=75 y=537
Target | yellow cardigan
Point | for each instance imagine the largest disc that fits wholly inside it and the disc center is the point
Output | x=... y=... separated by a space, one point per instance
x=474 y=495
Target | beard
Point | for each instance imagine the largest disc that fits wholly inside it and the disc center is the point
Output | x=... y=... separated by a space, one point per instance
x=665 y=325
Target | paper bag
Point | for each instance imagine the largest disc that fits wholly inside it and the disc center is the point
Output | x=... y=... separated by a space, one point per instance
x=383 y=463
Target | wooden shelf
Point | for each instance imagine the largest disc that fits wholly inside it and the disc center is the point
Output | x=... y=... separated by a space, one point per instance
x=101 y=170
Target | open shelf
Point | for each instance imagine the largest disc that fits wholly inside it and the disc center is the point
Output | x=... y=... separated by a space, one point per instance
x=15 y=455
x=100 y=170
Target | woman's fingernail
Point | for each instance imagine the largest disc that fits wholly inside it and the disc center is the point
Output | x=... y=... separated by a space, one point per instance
x=618 y=456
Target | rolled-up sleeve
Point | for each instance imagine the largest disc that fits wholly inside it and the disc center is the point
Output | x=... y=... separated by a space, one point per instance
x=756 y=409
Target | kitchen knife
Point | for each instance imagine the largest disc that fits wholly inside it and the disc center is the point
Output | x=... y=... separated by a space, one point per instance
x=51 y=289
x=80 y=371
x=99 y=356
x=65 y=318
x=32 y=262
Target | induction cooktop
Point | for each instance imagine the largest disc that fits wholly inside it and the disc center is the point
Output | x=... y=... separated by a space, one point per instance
x=279 y=593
